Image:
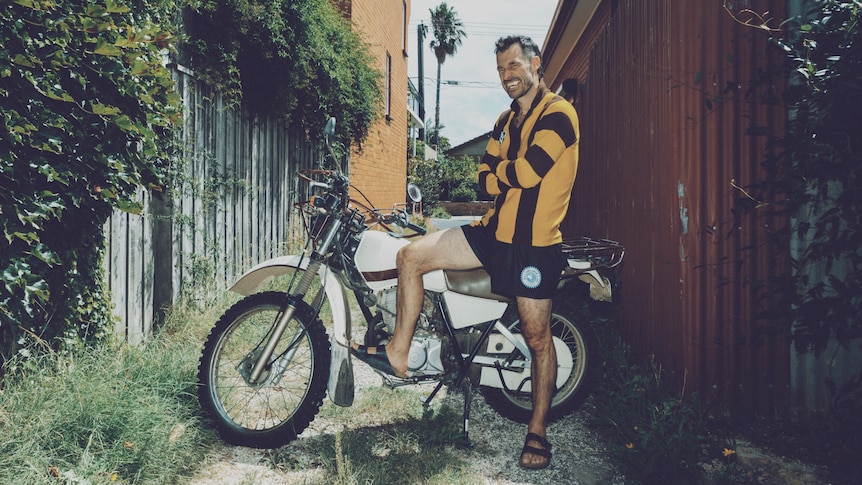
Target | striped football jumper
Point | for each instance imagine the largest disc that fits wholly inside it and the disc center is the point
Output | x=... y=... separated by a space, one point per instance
x=531 y=169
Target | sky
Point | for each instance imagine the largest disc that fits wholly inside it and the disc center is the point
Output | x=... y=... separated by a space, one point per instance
x=469 y=108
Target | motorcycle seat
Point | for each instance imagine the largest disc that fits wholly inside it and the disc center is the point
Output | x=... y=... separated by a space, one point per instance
x=472 y=282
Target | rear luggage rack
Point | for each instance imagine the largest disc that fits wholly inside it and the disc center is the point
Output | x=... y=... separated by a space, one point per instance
x=585 y=254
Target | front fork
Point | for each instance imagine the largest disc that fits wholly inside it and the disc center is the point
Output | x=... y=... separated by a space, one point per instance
x=296 y=295
x=283 y=321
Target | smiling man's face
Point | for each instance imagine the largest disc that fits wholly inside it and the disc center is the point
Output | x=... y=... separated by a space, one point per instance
x=518 y=75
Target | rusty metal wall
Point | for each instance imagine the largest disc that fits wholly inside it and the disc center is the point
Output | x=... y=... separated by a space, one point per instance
x=675 y=115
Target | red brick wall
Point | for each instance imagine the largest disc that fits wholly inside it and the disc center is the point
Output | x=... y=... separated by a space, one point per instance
x=379 y=169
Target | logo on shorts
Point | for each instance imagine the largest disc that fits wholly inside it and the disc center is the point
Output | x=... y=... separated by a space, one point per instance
x=531 y=277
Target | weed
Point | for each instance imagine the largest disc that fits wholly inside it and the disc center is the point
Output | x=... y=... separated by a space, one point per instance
x=656 y=434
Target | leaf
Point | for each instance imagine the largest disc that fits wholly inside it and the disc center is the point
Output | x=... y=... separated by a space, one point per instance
x=125 y=123
x=129 y=206
x=105 y=48
x=23 y=61
x=103 y=109
x=44 y=254
x=112 y=7
x=96 y=11
x=28 y=237
x=139 y=67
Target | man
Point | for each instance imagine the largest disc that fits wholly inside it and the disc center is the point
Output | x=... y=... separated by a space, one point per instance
x=529 y=166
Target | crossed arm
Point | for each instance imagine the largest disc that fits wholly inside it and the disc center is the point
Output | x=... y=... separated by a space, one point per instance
x=552 y=135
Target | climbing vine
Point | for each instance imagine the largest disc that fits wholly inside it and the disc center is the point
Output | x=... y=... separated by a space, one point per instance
x=89 y=109
x=296 y=60
x=86 y=101
x=817 y=169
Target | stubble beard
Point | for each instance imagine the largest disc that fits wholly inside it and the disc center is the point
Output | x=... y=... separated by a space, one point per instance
x=524 y=88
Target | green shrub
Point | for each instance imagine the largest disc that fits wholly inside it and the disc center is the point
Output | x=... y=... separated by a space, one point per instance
x=821 y=172
x=439 y=212
x=445 y=179
x=428 y=175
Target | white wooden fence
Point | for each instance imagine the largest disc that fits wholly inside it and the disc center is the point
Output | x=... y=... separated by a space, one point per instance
x=230 y=207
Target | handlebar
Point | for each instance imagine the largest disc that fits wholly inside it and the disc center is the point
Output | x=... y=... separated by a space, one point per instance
x=337 y=182
x=399 y=218
x=417 y=229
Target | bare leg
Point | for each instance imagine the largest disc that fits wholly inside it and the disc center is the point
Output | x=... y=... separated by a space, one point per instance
x=536 y=326
x=447 y=249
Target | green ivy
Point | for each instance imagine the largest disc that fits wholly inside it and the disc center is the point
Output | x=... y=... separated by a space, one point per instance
x=814 y=176
x=86 y=103
x=820 y=171
x=296 y=60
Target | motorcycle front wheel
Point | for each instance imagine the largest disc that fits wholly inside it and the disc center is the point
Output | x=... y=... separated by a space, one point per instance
x=577 y=359
x=277 y=407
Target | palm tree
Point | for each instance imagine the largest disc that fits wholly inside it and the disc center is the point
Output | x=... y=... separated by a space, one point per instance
x=448 y=33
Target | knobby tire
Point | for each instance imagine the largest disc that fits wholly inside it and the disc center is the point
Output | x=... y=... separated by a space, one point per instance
x=275 y=411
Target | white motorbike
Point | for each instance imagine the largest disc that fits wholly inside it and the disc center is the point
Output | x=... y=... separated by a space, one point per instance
x=268 y=362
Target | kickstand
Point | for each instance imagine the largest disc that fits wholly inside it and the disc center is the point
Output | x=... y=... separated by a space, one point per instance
x=467 y=388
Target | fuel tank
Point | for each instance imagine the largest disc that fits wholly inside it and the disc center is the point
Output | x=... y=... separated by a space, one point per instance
x=375 y=259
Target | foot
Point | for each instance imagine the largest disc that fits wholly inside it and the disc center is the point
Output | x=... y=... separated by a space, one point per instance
x=536 y=453
x=376 y=358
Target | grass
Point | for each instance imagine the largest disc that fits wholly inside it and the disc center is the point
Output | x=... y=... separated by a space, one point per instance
x=129 y=414
x=111 y=414
x=125 y=414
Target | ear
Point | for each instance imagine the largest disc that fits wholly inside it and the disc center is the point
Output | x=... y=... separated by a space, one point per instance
x=535 y=64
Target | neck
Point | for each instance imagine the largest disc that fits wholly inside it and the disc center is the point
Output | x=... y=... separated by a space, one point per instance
x=526 y=100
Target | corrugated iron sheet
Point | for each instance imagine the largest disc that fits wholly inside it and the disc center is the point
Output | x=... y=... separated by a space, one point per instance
x=675 y=119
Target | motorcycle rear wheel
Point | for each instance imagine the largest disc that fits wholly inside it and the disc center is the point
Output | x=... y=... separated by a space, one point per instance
x=580 y=341
x=274 y=411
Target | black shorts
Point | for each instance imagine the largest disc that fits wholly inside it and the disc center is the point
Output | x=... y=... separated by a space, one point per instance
x=515 y=269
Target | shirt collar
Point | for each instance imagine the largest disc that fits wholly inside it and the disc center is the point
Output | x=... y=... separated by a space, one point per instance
x=540 y=94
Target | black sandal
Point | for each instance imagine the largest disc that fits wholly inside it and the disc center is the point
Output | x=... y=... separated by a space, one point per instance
x=544 y=452
x=378 y=360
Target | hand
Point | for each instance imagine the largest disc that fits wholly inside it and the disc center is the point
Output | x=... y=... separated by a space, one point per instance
x=492 y=164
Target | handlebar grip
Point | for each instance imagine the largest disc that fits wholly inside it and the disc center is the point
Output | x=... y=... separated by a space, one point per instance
x=418 y=229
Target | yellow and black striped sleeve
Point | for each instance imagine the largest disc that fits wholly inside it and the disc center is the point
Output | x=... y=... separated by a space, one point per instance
x=552 y=134
x=488 y=183
x=530 y=169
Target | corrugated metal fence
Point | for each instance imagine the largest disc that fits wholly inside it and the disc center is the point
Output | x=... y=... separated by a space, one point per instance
x=229 y=208
x=675 y=116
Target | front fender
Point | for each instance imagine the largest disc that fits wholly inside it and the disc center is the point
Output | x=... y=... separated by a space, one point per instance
x=255 y=278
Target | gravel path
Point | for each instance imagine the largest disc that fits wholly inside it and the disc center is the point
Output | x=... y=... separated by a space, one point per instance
x=579 y=455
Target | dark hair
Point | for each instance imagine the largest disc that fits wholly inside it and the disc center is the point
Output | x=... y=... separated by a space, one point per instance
x=528 y=47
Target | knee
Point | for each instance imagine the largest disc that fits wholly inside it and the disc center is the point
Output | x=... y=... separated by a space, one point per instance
x=407 y=258
x=538 y=339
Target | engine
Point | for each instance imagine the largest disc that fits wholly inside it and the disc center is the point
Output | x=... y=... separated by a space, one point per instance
x=429 y=349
